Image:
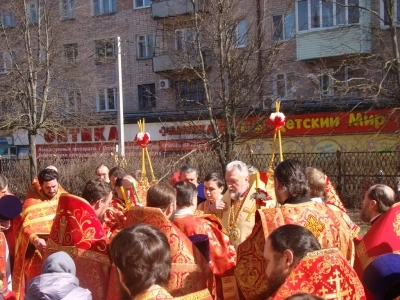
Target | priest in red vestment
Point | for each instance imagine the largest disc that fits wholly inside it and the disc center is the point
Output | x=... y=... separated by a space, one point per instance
x=142 y=255
x=322 y=191
x=222 y=253
x=296 y=264
x=33 y=228
x=77 y=230
x=291 y=191
x=383 y=213
x=190 y=272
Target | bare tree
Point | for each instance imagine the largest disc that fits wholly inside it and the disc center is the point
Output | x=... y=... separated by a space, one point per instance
x=43 y=84
x=374 y=75
x=219 y=59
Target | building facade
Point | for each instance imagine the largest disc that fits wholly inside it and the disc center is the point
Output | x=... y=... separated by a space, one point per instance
x=315 y=56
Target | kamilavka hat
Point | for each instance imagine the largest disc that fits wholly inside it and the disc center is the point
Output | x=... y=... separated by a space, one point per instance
x=382 y=277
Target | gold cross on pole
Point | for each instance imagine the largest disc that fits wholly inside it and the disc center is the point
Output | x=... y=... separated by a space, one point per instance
x=250 y=211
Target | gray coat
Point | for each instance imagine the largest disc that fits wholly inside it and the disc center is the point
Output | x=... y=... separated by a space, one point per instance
x=56 y=286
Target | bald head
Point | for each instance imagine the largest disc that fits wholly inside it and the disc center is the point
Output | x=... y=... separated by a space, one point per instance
x=383 y=195
x=52 y=168
x=377 y=200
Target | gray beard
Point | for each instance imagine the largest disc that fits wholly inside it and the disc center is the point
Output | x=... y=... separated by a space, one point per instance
x=235 y=195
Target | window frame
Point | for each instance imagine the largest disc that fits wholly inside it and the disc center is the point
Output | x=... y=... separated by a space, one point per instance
x=283 y=23
x=105 y=92
x=6 y=62
x=105 y=59
x=149 y=49
x=238 y=36
x=67 y=10
x=187 y=87
x=331 y=91
x=149 y=88
x=28 y=11
x=188 y=40
x=288 y=80
x=75 y=52
x=382 y=13
x=4 y=15
x=135 y=6
x=101 y=11
x=77 y=100
x=321 y=14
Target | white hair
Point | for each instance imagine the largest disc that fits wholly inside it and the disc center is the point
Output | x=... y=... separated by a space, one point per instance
x=238 y=165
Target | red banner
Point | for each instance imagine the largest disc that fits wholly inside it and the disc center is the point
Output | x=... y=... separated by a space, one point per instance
x=333 y=123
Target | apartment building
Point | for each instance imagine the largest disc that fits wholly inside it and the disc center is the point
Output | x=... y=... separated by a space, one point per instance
x=332 y=59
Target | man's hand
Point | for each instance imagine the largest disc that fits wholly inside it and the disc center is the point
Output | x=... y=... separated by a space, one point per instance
x=4 y=225
x=40 y=244
x=217 y=205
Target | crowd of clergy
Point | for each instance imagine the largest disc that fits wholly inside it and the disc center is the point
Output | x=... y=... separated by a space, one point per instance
x=245 y=234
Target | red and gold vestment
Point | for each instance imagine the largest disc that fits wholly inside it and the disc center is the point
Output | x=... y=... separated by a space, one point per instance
x=114 y=218
x=77 y=231
x=222 y=253
x=316 y=217
x=190 y=272
x=35 y=221
x=324 y=273
x=383 y=237
x=161 y=293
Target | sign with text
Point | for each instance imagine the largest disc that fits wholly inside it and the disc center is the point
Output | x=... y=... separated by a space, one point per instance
x=336 y=123
x=107 y=149
x=170 y=134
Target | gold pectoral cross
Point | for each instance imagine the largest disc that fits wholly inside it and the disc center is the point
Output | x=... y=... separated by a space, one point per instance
x=250 y=211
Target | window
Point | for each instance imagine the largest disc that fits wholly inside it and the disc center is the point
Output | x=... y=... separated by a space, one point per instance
x=189 y=93
x=142 y=3
x=147 y=98
x=7 y=19
x=32 y=13
x=312 y=14
x=185 y=40
x=283 y=86
x=6 y=61
x=105 y=50
x=283 y=27
x=385 y=11
x=67 y=9
x=240 y=34
x=73 y=99
x=71 y=52
x=103 y=7
x=145 y=45
x=107 y=99
x=335 y=79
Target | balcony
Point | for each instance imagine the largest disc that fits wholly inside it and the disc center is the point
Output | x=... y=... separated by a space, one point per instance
x=171 y=62
x=171 y=8
x=333 y=42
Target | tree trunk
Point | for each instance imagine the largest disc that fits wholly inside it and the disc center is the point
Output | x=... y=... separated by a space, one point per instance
x=32 y=154
x=393 y=35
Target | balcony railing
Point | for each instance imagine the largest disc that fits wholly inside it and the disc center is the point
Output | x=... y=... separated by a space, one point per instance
x=171 y=8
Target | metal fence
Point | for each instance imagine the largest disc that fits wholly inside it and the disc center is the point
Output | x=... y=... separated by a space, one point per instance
x=352 y=173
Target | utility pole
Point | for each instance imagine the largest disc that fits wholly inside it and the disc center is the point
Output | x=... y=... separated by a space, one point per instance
x=121 y=132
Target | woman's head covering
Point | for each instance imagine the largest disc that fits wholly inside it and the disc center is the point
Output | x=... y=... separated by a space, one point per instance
x=59 y=262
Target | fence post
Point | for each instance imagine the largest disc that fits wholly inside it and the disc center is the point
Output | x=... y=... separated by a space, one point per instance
x=339 y=175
